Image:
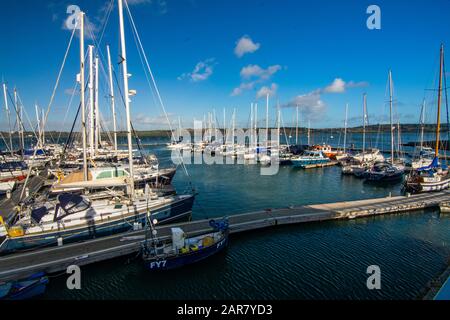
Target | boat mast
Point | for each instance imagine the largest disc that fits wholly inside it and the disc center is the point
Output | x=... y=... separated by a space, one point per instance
x=251 y=125
x=309 y=132
x=234 y=128
x=91 y=100
x=256 y=126
x=97 y=112
x=127 y=94
x=390 y=117
x=364 y=125
x=9 y=118
x=296 y=128
x=438 y=121
x=113 y=104
x=19 y=121
x=38 y=121
x=224 y=127
x=43 y=127
x=278 y=124
x=267 y=122
x=422 y=124
x=345 y=127
x=82 y=97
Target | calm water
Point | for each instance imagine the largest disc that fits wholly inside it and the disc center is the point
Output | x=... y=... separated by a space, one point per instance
x=316 y=261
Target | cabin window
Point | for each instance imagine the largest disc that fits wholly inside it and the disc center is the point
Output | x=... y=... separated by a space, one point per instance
x=105 y=175
x=121 y=173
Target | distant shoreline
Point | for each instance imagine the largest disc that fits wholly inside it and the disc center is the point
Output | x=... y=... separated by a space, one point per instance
x=404 y=128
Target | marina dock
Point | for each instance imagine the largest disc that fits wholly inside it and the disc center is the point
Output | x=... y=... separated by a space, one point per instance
x=321 y=165
x=57 y=259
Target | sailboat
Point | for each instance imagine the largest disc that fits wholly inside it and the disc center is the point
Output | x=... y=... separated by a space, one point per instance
x=434 y=177
x=75 y=217
x=386 y=171
x=423 y=156
x=360 y=162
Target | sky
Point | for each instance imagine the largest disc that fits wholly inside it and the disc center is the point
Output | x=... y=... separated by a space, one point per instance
x=207 y=56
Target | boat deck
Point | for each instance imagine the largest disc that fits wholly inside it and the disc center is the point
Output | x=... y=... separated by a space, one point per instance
x=7 y=205
x=57 y=259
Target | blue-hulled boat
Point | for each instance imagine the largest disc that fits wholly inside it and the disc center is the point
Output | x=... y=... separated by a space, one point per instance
x=182 y=251
x=75 y=218
x=24 y=289
x=309 y=158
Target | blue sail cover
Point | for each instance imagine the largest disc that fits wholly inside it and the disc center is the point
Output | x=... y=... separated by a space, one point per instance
x=13 y=165
x=433 y=165
x=30 y=152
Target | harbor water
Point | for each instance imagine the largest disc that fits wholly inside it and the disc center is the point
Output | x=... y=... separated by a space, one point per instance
x=326 y=260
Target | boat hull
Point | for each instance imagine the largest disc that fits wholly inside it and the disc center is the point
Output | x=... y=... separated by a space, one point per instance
x=176 y=211
x=303 y=163
x=155 y=264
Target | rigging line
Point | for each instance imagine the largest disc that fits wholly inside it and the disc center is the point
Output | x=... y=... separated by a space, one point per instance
x=446 y=105
x=132 y=126
x=73 y=125
x=26 y=115
x=68 y=109
x=70 y=134
x=49 y=106
x=4 y=141
x=148 y=65
x=151 y=74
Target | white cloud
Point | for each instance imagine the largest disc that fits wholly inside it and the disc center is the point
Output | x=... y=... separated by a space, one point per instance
x=252 y=75
x=339 y=86
x=202 y=71
x=243 y=87
x=251 y=71
x=311 y=104
x=264 y=91
x=245 y=45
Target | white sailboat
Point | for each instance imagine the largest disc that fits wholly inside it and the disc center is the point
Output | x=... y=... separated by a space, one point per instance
x=434 y=177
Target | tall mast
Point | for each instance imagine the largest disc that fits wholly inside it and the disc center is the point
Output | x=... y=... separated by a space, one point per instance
x=267 y=121
x=234 y=128
x=309 y=132
x=438 y=121
x=296 y=127
x=91 y=100
x=422 y=124
x=97 y=112
x=19 y=121
x=390 y=116
x=22 y=129
x=224 y=126
x=279 y=124
x=111 y=92
x=364 y=125
x=82 y=97
x=179 y=128
x=251 y=125
x=38 y=120
x=8 y=114
x=345 y=127
x=127 y=94
x=43 y=126
x=256 y=126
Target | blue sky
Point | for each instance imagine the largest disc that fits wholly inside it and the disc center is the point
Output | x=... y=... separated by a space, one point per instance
x=220 y=54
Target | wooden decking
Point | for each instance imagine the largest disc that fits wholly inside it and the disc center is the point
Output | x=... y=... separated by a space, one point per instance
x=57 y=259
